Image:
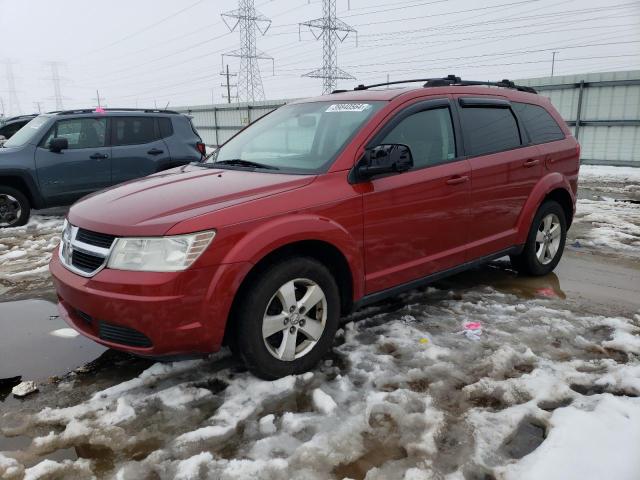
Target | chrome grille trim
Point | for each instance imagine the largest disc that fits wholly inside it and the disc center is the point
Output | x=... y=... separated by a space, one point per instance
x=69 y=243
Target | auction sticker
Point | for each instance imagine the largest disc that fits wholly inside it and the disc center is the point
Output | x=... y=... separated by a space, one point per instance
x=348 y=107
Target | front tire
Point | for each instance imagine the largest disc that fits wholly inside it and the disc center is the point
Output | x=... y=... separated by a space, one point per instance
x=14 y=207
x=287 y=318
x=545 y=242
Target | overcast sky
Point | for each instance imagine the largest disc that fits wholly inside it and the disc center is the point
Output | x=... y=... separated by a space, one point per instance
x=146 y=52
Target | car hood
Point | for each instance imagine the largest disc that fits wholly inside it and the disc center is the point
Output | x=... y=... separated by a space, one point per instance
x=152 y=205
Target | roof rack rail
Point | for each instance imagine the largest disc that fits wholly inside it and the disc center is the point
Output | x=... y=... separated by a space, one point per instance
x=452 y=80
x=93 y=110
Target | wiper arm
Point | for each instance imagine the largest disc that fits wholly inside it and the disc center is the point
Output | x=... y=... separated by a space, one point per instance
x=244 y=163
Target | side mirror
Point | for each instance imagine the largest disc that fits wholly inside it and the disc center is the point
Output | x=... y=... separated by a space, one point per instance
x=58 y=144
x=387 y=158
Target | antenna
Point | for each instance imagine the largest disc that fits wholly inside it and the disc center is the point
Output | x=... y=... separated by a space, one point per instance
x=329 y=28
x=99 y=99
x=248 y=20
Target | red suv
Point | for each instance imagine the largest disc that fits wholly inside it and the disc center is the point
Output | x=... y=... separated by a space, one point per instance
x=318 y=208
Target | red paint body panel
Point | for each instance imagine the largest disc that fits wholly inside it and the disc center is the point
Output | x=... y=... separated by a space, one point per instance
x=391 y=230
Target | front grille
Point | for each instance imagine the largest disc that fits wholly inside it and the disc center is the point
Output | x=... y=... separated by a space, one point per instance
x=123 y=335
x=84 y=252
x=94 y=238
x=85 y=262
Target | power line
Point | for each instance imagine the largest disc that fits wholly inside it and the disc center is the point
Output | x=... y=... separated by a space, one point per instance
x=331 y=29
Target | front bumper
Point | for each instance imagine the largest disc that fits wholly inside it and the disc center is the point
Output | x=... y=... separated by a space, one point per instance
x=149 y=313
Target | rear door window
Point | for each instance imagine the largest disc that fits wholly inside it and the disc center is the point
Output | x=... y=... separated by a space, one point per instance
x=489 y=130
x=539 y=123
x=133 y=130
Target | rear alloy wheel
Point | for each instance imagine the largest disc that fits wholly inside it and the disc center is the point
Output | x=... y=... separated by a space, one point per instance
x=14 y=208
x=545 y=242
x=287 y=318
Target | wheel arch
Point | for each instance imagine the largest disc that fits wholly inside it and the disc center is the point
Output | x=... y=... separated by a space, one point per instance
x=300 y=235
x=553 y=186
x=24 y=185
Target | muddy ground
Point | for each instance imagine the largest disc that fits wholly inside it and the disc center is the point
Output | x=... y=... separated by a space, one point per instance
x=407 y=392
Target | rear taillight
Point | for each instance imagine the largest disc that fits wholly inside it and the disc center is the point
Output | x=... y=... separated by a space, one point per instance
x=202 y=148
x=578 y=150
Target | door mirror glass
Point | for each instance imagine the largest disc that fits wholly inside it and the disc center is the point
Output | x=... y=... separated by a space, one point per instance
x=57 y=144
x=387 y=158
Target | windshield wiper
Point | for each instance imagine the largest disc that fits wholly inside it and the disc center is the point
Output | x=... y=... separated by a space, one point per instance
x=244 y=163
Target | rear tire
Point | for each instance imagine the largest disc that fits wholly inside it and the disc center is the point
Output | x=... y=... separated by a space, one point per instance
x=287 y=318
x=545 y=242
x=14 y=207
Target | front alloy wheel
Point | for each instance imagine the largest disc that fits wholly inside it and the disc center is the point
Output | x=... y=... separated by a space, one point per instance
x=294 y=319
x=14 y=207
x=285 y=318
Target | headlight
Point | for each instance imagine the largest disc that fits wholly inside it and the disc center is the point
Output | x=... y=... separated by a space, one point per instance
x=159 y=254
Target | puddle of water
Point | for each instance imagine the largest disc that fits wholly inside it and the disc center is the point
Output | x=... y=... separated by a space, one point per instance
x=499 y=276
x=27 y=347
x=377 y=455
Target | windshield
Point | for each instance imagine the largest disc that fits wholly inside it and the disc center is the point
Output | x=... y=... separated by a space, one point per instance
x=26 y=133
x=297 y=138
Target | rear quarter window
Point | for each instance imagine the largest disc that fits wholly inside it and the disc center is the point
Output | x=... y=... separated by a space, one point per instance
x=166 y=129
x=539 y=124
x=489 y=130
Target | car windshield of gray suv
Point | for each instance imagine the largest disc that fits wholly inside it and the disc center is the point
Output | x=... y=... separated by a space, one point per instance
x=26 y=133
x=296 y=138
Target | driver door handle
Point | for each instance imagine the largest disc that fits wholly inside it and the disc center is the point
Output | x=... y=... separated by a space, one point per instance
x=532 y=162
x=155 y=151
x=98 y=156
x=458 y=179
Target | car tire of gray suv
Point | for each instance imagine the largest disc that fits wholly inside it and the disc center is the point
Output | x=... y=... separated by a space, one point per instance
x=287 y=318
x=545 y=242
x=14 y=207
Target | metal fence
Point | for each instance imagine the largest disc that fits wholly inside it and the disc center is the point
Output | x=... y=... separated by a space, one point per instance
x=602 y=108
x=604 y=111
x=217 y=123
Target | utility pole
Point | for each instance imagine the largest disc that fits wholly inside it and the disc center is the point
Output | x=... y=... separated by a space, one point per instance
x=37 y=105
x=14 y=103
x=248 y=21
x=553 y=62
x=227 y=84
x=1 y=107
x=330 y=28
x=99 y=99
x=55 y=80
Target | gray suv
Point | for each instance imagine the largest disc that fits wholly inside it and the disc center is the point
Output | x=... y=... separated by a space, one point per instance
x=60 y=157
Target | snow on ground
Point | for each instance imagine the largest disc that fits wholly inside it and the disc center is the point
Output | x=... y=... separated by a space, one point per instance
x=607 y=216
x=404 y=394
x=25 y=253
x=609 y=225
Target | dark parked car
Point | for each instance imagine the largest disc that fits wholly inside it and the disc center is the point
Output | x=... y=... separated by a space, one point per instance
x=11 y=125
x=59 y=157
x=322 y=206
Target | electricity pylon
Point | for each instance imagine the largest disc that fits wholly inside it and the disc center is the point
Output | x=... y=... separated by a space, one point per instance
x=331 y=29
